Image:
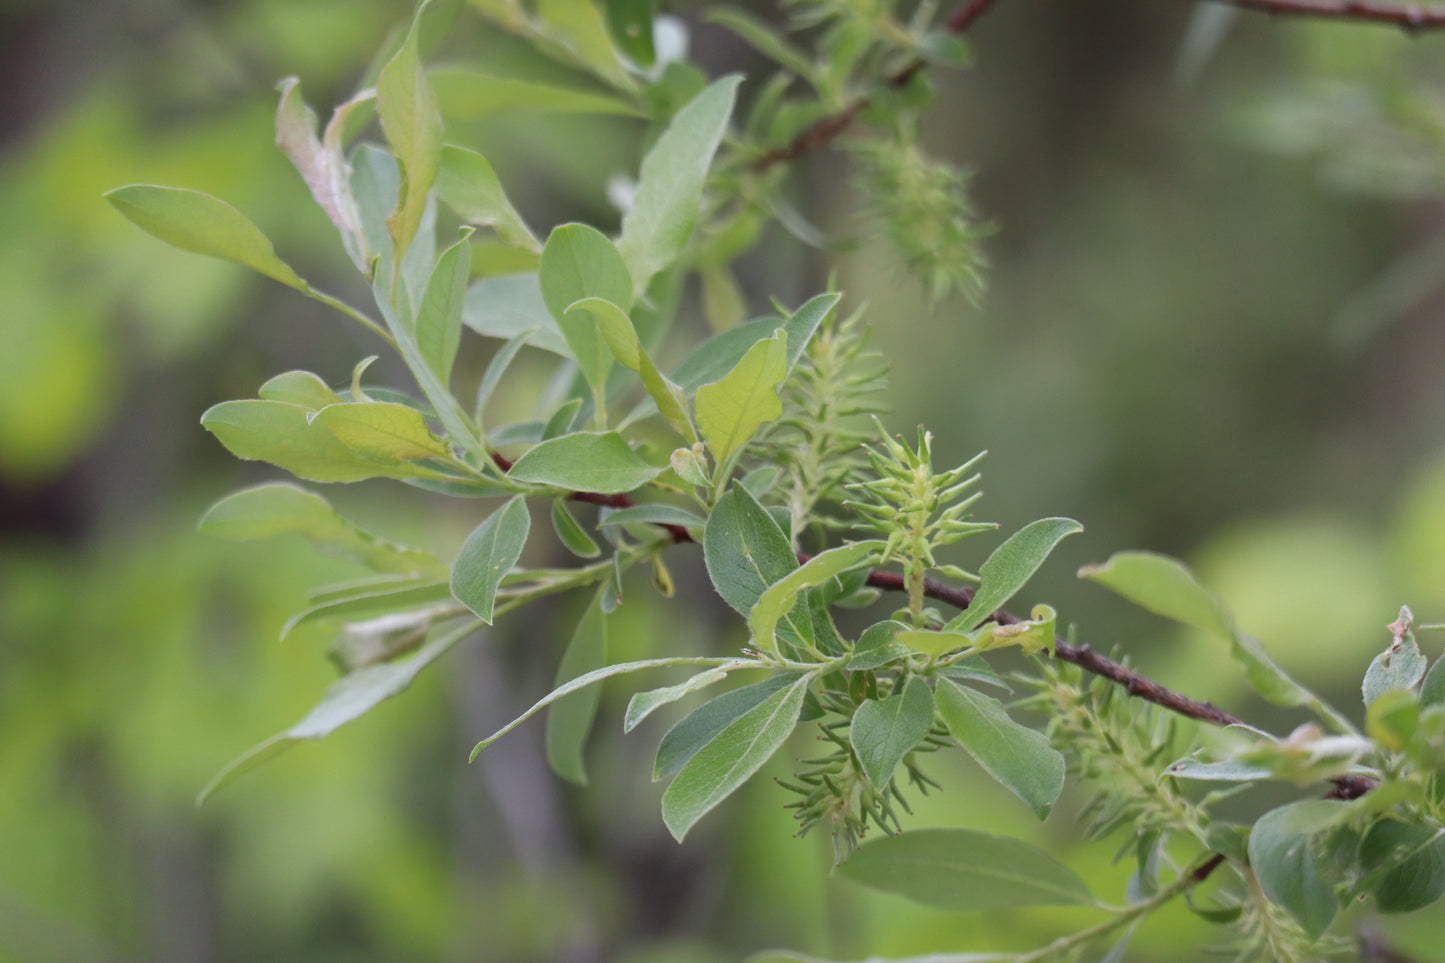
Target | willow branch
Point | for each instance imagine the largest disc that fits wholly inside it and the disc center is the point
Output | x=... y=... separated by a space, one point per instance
x=1083 y=656
x=1409 y=17
x=826 y=129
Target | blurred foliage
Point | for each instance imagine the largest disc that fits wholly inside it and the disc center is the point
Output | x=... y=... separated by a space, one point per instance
x=1228 y=295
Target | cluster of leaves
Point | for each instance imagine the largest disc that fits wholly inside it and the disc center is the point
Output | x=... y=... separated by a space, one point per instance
x=709 y=452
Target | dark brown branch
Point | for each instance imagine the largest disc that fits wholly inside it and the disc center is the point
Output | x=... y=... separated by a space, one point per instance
x=1080 y=655
x=824 y=130
x=1409 y=17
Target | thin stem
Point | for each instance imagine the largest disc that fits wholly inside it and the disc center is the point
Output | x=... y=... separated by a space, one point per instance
x=1409 y=17
x=1127 y=914
x=826 y=129
x=351 y=312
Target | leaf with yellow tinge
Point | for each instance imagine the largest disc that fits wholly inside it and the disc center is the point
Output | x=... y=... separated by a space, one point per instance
x=732 y=408
x=202 y=224
x=382 y=431
x=412 y=123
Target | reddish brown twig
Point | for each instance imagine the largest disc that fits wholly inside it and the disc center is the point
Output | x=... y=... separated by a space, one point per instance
x=824 y=130
x=1409 y=17
x=1080 y=655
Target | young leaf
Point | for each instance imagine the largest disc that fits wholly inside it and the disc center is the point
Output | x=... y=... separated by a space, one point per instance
x=283 y=435
x=276 y=508
x=323 y=166
x=569 y=720
x=962 y=869
x=570 y=532
x=726 y=762
x=883 y=732
x=1400 y=666
x=642 y=704
x=467 y=184
x=732 y=408
x=413 y=127
x=803 y=323
x=382 y=431
x=1285 y=854
x=585 y=461
x=580 y=262
x=656 y=229
x=201 y=224
x=510 y=305
x=1018 y=757
x=878 y=646
x=299 y=388
x=489 y=553
x=780 y=597
x=348 y=698
x=630 y=23
x=702 y=725
x=617 y=330
x=438 y=325
x=1010 y=566
x=595 y=676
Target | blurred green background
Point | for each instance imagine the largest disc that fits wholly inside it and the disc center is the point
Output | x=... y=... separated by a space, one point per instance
x=1213 y=329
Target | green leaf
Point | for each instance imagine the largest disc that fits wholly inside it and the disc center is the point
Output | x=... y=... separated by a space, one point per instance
x=732 y=408
x=1411 y=859
x=934 y=643
x=1285 y=852
x=382 y=431
x=348 y=698
x=570 y=532
x=438 y=324
x=300 y=388
x=569 y=720
x=489 y=553
x=277 y=508
x=642 y=704
x=1164 y=586
x=780 y=597
x=585 y=461
x=1400 y=666
x=469 y=95
x=653 y=513
x=1010 y=566
x=732 y=756
x=510 y=305
x=1432 y=690
x=745 y=550
x=283 y=435
x=1224 y=771
x=467 y=184
x=1392 y=717
x=580 y=262
x=883 y=732
x=962 y=869
x=597 y=675
x=803 y=323
x=630 y=23
x=412 y=123
x=1020 y=758
x=370 y=602
x=201 y=224
x=495 y=369
x=702 y=725
x=618 y=331
x=669 y=189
